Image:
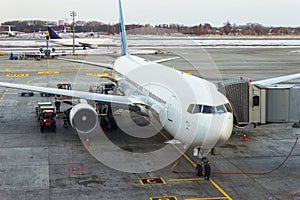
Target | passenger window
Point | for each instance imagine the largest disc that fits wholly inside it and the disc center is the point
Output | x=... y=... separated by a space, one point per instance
x=228 y=107
x=208 y=109
x=221 y=109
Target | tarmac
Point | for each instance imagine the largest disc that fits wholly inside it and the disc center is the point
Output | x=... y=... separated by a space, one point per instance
x=48 y=165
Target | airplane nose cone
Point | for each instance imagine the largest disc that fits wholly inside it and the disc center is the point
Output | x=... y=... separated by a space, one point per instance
x=226 y=130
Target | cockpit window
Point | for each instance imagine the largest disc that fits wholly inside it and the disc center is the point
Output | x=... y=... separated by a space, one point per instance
x=198 y=108
x=191 y=108
x=221 y=109
x=208 y=109
x=194 y=108
x=228 y=107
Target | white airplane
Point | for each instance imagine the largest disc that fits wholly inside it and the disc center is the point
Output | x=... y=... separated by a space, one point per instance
x=191 y=109
x=9 y=33
x=80 y=42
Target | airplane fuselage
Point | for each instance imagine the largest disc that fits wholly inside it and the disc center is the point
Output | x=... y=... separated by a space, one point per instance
x=176 y=96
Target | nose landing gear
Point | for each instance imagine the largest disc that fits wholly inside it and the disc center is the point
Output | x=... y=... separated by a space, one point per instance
x=203 y=169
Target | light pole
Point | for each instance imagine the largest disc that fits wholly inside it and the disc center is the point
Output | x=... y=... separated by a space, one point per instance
x=73 y=14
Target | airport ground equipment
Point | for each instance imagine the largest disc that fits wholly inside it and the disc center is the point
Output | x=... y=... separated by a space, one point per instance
x=63 y=86
x=26 y=93
x=48 y=121
x=13 y=57
x=41 y=107
x=103 y=110
x=107 y=120
x=60 y=98
x=103 y=88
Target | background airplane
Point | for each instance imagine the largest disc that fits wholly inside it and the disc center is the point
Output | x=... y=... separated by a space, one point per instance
x=80 y=42
x=9 y=32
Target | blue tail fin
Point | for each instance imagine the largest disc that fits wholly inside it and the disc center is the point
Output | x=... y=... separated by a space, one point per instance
x=122 y=31
x=52 y=33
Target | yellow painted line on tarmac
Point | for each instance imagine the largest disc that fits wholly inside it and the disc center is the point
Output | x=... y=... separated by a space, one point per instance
x=36 y=78
x=3 y=95
x=47 y=72
x=220 y=189
x=175 y=165
x=17 y=75
x=164 y=198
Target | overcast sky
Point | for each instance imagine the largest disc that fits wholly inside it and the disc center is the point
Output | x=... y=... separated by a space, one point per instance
x=188 y=12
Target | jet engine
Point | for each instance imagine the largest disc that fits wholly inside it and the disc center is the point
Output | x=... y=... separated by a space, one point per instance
x=83 y=118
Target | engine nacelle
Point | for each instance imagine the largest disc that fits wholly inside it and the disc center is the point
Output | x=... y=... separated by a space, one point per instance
x=83 y=118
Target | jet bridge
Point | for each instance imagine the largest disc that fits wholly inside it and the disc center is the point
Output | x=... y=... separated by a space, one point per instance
x=237 y=92
x=251 y=103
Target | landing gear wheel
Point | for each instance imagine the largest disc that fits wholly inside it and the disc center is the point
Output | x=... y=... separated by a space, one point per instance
x=206 y=171
x=199 y=170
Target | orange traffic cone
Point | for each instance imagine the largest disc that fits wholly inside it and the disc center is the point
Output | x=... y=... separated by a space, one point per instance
x=244 y=137
x=87 y=142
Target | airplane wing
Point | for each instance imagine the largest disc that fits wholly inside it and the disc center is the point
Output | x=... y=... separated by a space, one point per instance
x=164 y=60
x=103 y=65
x=94 y=43
x=122 y=100
x=271 y=81
x=109 y=66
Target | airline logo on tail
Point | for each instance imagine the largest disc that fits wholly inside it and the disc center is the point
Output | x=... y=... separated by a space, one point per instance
x=52 y=33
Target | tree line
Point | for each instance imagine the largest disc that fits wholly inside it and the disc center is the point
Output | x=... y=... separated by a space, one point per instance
x=250 y=29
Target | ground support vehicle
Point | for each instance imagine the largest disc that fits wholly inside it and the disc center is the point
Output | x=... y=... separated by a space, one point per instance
x=26 y=93
x=48 y=121
x=43 y=106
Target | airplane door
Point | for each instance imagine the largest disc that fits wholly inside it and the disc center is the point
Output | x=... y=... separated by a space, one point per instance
x=171 y=108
